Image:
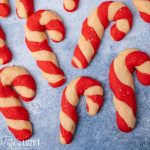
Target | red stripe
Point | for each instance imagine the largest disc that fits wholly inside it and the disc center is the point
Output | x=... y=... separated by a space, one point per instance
x=38 y=46
x=145 y=17
x=143 y=78
x=15 y=113
x=21 y=135
x=78 y=54
x=4 y=10
x=122 y=92
x=66 y=135
x=25 y=80
x=122 y=124
x=68 y=109
x=103 y=13
x=90 y=35
x=2 y=34
x=85 y=83
x=5 y=54
x=27 y=99
x=6 y=91
x=49 y=67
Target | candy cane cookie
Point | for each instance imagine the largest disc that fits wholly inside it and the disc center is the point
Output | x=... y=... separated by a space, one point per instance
x=122 y=85
x=93 y=29
x=20 y=79
x=70 y=5
x=5 y=54
x=37 y=42
x=93 y=91
x=4 y=8
x=143 y=6
x=17 y=117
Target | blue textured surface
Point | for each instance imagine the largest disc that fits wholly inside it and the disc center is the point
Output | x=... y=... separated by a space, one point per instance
x=93 y=133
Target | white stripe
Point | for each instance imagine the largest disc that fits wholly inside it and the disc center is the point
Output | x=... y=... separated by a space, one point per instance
x=9 y=102
x=123 y=25
x=77 y=62
x=44 y=55
x=53 y=78
x=71 y=93
x=35 y=36
x=144 y=68
x=47 y=16
x=19 y=124
x=25 y=91
x=94 y=90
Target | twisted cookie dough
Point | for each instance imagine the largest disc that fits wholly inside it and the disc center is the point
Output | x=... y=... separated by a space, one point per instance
x=93 y=91
x=37 y=42
x=93 y=29
x=17 y=117
x=122 y=84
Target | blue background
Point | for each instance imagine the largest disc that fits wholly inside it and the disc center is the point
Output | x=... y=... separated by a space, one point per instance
x=93 y=133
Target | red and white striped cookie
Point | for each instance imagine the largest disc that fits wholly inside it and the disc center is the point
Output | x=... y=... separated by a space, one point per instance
x=20 y=79
x=143 y=6
x=24 y=8
x=122 y=85
x=93 y=29
x=93 y=91
x=37 y=42
x=70 y=5
x=4 y=8
x=5 y=54
x=17 y=117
